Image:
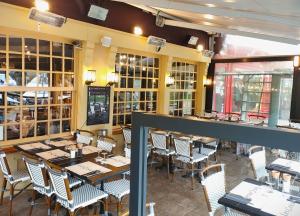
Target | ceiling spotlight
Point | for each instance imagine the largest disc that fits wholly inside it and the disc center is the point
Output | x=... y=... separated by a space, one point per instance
x=208 y=16
x=229 y=1
x=200 y=47
x=42 y=5
x=137 y=30
x=193 y=40
x=210 y=5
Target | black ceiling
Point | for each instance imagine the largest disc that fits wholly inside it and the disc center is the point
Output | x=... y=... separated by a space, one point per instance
x=121 y=17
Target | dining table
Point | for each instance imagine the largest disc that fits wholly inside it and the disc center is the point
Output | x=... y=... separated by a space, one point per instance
x=259 y=199
x=287 y=166
x=87 y=166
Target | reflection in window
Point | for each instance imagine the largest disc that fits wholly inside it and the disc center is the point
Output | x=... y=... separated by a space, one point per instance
x=56 y=64
x=28 y=114
x=55 y=97
x=13 y=98
x=42 y=97
x=67 y=97
x=13 y=132
x=66 y=112
x=3 y=42
x=42 y=113
x=13 y=115
x=56 y=80
x=56 y=49
x=55 y=112
x=29 y=98
x=41 y=128
x=69 y=65
x=55 y=127
x=2 y=98
x=2 y=115
x=2 y=132
x=69 y=50
x=15 y=61
x=15 y=44
x=44 y=47
x=44 y=79
x=30 y=45
x=3 y=60
x=66 y=126
x=28 y=130
x=2 y=78
x=31 y=79
x=69 y=80
x=44 y=63
x=15 y=78
x=30 y=62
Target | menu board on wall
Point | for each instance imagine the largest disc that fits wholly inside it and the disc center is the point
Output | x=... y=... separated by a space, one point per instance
x=98 y=105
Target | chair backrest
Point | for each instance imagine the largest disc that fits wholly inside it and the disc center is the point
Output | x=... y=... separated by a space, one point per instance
x=257 y=155
x=159 y=140
x=106 y=144
x=127 y=135
x=183 y=146
x=84 y=139
x=37 y=172
x=213 y=186
x=4 y=164
x=60 y=184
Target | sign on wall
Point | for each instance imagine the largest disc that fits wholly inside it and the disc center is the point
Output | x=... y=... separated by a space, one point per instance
x=98 y=105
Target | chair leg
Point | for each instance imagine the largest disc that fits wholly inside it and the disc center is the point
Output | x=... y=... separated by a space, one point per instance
x=119 y=206
x=3 y=190
x=57 y=207
x=71 y=213
x=48 y=200
x=32 y=202
x=12 y=189
x=168 y=166
x=192 y=177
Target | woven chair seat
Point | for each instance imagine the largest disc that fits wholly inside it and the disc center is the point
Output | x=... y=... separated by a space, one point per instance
x=118 y=188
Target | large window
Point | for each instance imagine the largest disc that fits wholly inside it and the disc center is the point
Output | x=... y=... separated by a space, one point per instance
x=137 y=87
x=37 y=84
x=182 y=94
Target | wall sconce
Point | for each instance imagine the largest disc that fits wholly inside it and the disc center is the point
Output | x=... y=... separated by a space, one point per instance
x=90 y=77
x=170 y=81
x=112 y=79
x=296 y=61
x=207 y=82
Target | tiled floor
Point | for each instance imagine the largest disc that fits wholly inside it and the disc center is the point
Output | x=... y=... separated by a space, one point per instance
x=172 y=198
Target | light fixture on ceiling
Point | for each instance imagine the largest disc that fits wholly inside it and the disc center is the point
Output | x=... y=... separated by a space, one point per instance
x=200 y=47
x=193 y=40
x=112 y=79
x=98 y=13
x=138 y=30
x=47 y=17
x=170 y=80
x=90 y=77
x=210 y=5
x=207 y=82
x=41 y=5
x=229 y=1
x=296 y=61
x=208 y=16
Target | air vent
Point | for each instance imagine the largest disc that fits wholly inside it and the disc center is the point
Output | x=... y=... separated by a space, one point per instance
x=98 y=13
x=47 y=17
x=156 y=41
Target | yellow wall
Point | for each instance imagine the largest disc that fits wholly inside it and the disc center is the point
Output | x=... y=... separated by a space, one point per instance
x=94 y=56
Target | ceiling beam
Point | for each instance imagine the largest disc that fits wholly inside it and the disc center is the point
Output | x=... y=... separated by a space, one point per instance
x=196 y=8
x=265 y=36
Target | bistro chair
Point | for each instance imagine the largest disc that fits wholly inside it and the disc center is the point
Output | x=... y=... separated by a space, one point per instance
x=118 y=189
x=188 y=155
x=210 y=149
x=150 y=208
x=257 y=155
x=161 y=147
x=40 y=182
x=214 y=188
x=106 y=144
x=79 y=198
x=13 y=178
x=84 y=137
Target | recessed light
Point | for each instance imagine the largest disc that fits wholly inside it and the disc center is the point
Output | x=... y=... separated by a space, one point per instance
x=137 y=30
x=208 y=16
x=207 y=23
x=42 y=5
x=210 y=5
x=200 y=47
x=229 y=1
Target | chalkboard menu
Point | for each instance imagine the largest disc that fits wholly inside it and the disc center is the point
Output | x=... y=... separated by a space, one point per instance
x=98 y=105
x=295 y=105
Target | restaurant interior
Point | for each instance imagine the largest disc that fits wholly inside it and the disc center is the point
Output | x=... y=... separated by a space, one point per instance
x=149 y=108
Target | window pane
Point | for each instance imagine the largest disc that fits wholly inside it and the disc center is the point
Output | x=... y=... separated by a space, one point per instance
x=55 y=97
x=66 y=112
x=44 y=64
x=29 y=98
x=69 y=65
x=13 y=98
x=13 y=132
x=69 y=80
x=56 y=64
x=56 y=49
x=15 y=61
x=55 y=112
x=2 y=98
x=44 y=47
x=31 y=79
x=28 y=130
x=42 y=97
x=69 y=50
x=41 y=128
x=13 y=115
x=3 y=60
x=3 y=42
x=56 y=80
x=30 y=45
x=66 y=126
x=2 y=115
x=44 y=79
x=28 y=114
x=55 y=127
x=15 y=44
x=42 y=113
x=67 y=97
x=2 y=78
